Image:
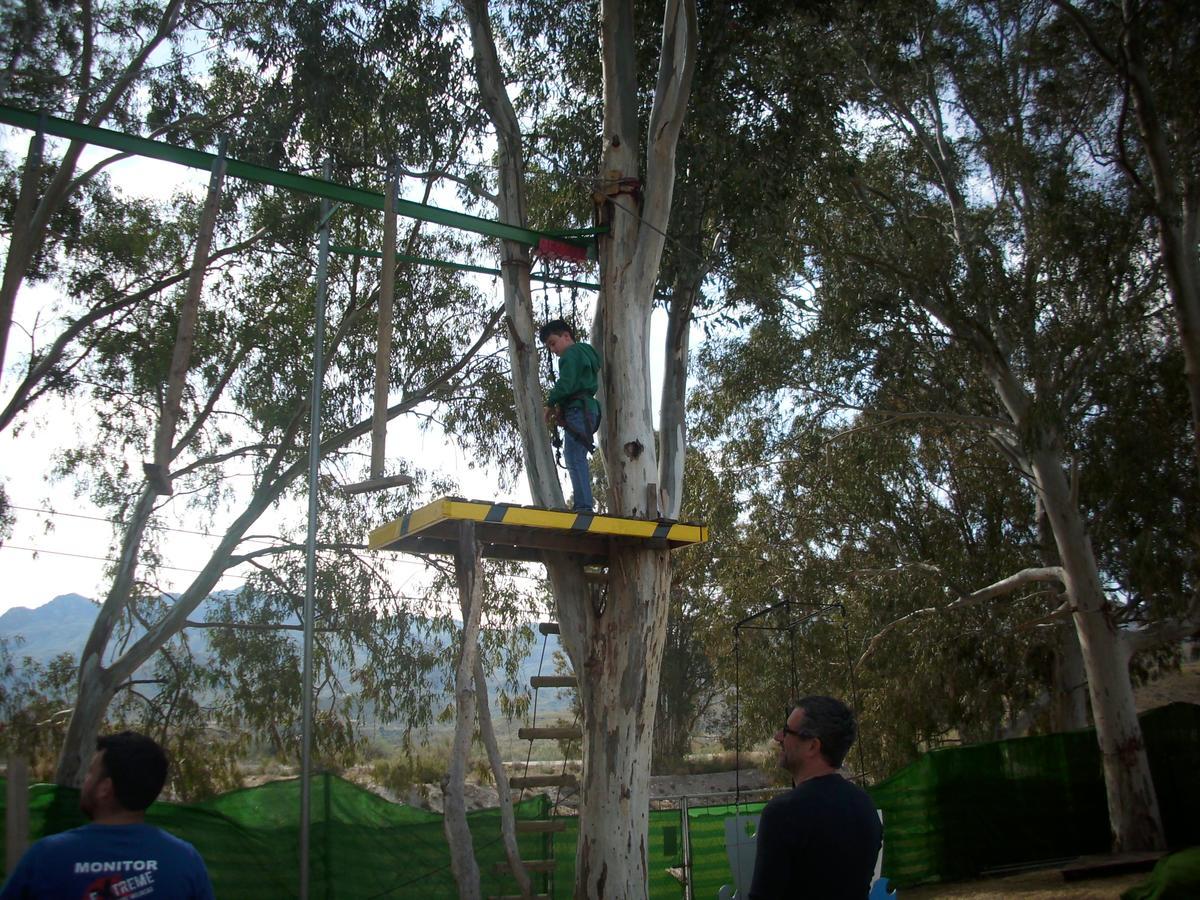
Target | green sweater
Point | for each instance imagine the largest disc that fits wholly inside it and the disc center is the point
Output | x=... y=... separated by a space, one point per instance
x=578 y=374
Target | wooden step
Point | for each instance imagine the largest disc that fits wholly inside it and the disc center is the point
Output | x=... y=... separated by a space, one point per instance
x=594 y=576
x=550 y=734
x=518 y=897
x=553 y=681
x=540 y=826
x=531 y=865
x=537 y=781
x=548 y=627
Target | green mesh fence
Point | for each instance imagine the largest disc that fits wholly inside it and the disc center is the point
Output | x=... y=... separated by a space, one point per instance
x=950 y=815
x=361 y=845
x=954 y=814
x=664 y=851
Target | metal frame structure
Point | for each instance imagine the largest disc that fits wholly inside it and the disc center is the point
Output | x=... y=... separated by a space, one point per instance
x=330 y=194
x=790 y=625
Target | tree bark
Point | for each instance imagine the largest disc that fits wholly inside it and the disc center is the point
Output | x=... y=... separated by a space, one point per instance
x=20 y=241
x=508 y=819
x=1132 y=803
x=1069 y=706
x=185 y=338
x=454 y=820
x=617 y=647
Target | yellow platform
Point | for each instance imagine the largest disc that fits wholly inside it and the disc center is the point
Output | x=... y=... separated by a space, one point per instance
x=508 y=531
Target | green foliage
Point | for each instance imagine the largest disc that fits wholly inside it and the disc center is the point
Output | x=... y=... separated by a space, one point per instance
x=390 y=85
x=853 y=409
x=34 y=706
x=400 y=773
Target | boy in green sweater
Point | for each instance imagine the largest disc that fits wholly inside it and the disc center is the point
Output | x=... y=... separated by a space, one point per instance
x=572 y=403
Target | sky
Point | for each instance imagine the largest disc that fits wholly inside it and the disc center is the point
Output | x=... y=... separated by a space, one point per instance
x=62 y=543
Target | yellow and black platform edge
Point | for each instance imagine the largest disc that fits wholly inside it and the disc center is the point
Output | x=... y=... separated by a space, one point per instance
x=486 y=513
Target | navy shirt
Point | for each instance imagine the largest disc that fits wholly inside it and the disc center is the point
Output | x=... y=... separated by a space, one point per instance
x=819 y=840
x=120 y=861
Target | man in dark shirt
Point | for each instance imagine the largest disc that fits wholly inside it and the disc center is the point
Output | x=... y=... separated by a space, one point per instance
x=820 y=839
x=118 y=854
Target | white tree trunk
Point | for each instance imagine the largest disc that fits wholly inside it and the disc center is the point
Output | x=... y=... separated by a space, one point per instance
x=617 y=648
x=618 y=687
x=1069 y=708
x=454 y=819
x=508 y=819
x=1132 y=802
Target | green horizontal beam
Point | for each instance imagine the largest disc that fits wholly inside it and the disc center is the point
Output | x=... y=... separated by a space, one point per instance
x=316 y=187
x=460 y=267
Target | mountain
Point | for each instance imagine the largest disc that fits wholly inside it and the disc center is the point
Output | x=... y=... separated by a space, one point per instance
x=62 y=626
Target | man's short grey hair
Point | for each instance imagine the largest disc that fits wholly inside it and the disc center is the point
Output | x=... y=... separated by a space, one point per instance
x=832 y=721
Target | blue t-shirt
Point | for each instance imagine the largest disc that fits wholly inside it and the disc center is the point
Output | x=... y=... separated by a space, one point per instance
x=119 y=861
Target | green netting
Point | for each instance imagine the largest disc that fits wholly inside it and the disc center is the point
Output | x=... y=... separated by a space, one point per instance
x=950 y=815
x=710 y=862
x=956 y=813
x=361 y=845
x=664 y=851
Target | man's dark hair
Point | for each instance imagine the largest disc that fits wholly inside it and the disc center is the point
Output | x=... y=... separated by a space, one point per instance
x=556 y=326
x=137 y=766
x=832 y=721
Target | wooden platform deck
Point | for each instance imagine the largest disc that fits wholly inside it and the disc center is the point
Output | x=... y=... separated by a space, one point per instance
x=509 y=531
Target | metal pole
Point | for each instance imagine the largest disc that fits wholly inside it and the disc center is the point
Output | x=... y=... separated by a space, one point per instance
x=792 y=642
x=310 y=560
x=688 y=893
x=383 y=348
x=737 y=716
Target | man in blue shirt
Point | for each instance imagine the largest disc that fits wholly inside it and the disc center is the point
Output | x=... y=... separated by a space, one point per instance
x=572 y=404
x=118 y=854
x=820 y=839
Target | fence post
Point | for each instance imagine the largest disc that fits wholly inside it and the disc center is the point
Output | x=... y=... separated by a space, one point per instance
x=687 y=850
x=16 y=812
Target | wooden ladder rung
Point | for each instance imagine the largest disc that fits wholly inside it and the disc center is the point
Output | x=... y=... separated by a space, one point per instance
x=550 y=734
x=594 y=576
x=531 y=865
x=548 y=627
x=553 y=681
x=537 y=781
x=517 y=897
x=540 y=826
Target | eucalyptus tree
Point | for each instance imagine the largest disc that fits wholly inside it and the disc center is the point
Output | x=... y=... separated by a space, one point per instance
x=970 y=267
x=239 y=454
x=1142 y=58
x=619 y=646
x=92 y=63
x=246 y=409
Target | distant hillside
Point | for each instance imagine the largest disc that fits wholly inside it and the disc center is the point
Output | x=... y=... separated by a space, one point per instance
x=62 y=626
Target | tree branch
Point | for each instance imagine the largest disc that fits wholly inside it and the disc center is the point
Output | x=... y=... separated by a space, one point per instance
x=1001 y=588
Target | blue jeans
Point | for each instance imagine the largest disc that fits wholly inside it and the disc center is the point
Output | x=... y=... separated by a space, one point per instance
x=576 y=457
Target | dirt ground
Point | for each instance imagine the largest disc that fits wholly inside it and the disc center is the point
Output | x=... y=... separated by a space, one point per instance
x=1040 y=885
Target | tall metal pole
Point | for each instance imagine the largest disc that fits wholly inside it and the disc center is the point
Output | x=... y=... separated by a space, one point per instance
x=383 y=348
x=310 y=561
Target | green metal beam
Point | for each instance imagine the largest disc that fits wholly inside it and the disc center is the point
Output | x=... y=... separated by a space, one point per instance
x=316 y=187
x=460 y=267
